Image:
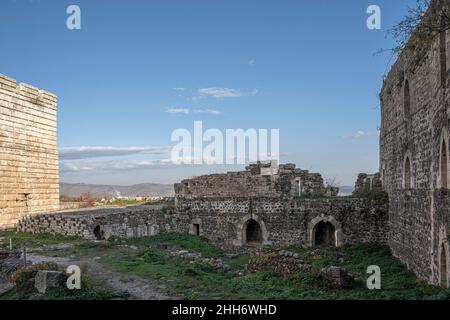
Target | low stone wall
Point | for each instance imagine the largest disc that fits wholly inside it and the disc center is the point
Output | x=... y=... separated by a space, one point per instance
x=225 y=221
x=102 y=223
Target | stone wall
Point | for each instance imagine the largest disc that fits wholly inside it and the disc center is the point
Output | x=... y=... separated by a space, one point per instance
x=258 y=180
x=367 y=183
x=223 y=221
x=286 y=222
x=29 y=179
x=414 y=128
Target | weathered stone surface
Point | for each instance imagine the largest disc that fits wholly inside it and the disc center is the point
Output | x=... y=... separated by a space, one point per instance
x=260 y=179
x=338 y=277
x=45 y=279
x=414 y=149
x=29 y=179
x=282 y=263
x=224 y=221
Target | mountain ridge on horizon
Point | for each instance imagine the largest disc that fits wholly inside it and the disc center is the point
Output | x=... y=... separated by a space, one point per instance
x=103 y=190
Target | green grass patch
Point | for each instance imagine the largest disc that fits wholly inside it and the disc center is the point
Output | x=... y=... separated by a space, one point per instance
x=20 y=239
x=151 y=258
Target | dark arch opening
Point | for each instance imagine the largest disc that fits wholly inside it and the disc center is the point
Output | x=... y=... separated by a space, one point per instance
x=407 y=100
x=443 y=267
x=253 y=233
x=444 y=165
x=407 y=173
x=99 y=233
x=325 y=235
x=443 y=58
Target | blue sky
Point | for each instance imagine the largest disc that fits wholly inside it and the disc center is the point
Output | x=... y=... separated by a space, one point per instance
x=307 y=68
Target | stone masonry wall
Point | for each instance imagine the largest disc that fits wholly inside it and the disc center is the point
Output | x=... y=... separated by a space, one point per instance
x=29 y=178
x=223 y=221
x=415 y=113
x=258 y=180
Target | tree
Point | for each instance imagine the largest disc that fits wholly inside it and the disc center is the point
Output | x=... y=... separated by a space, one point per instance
x=418 y=29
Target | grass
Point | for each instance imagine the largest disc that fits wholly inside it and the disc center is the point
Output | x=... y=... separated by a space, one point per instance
x=150 y=258
x=20 y=239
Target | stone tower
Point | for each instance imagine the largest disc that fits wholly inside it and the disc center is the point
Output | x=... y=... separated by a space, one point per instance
x=29 y=173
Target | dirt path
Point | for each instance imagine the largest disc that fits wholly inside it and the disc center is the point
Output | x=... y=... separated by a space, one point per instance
x=138 y=288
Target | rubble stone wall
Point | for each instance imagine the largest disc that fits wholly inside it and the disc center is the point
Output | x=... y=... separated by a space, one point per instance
x=415 y=113
x=223 y=221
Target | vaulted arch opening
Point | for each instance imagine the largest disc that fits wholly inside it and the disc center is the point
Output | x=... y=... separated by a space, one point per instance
x=407 y=100
x=254 y=235
x=407 y=173
x=443 y=267
x=324 y=235
x=444 y=165
x=443 y=58
x=99 y=233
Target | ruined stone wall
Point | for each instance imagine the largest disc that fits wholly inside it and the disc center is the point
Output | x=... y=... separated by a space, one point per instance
x=29 y=177
x=223 y=221
x=288 y=222
x=258 y=180
x=131 y=222
x=367 y=183
x=415 y=122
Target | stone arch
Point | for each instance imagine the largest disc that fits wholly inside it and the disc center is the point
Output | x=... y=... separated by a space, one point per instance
x=443 y=160
x=99 y=233
x=253 y=233
x=443 y=265
x=408 y=178
x=242 y=228
x=325 y=221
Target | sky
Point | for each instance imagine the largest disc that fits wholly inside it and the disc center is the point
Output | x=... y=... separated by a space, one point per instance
x=138 y=70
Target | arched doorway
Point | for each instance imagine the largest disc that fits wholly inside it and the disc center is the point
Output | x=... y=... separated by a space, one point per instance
x=253 y=233
x=443 y=271
x=325 y=235
x=99 y=233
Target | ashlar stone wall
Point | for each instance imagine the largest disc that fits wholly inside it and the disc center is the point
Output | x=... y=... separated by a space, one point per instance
x=29 y=177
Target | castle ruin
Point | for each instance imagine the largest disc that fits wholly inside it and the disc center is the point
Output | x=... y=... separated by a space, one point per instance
x=269 y=204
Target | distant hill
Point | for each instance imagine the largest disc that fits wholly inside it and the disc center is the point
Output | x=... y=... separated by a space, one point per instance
x=346 y=190
x=97 y=191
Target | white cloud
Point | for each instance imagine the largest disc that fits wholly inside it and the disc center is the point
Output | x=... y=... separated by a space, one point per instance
x=178 y=110
x=219 y=93
x=113 y=165
x=188 y=111
x=97 y=152
x=362 y=134
x=179 y=89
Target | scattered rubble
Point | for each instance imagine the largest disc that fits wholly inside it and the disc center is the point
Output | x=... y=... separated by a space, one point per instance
x=340 y=278
x=46 y=279
x=197 y=257
x=282 y=262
